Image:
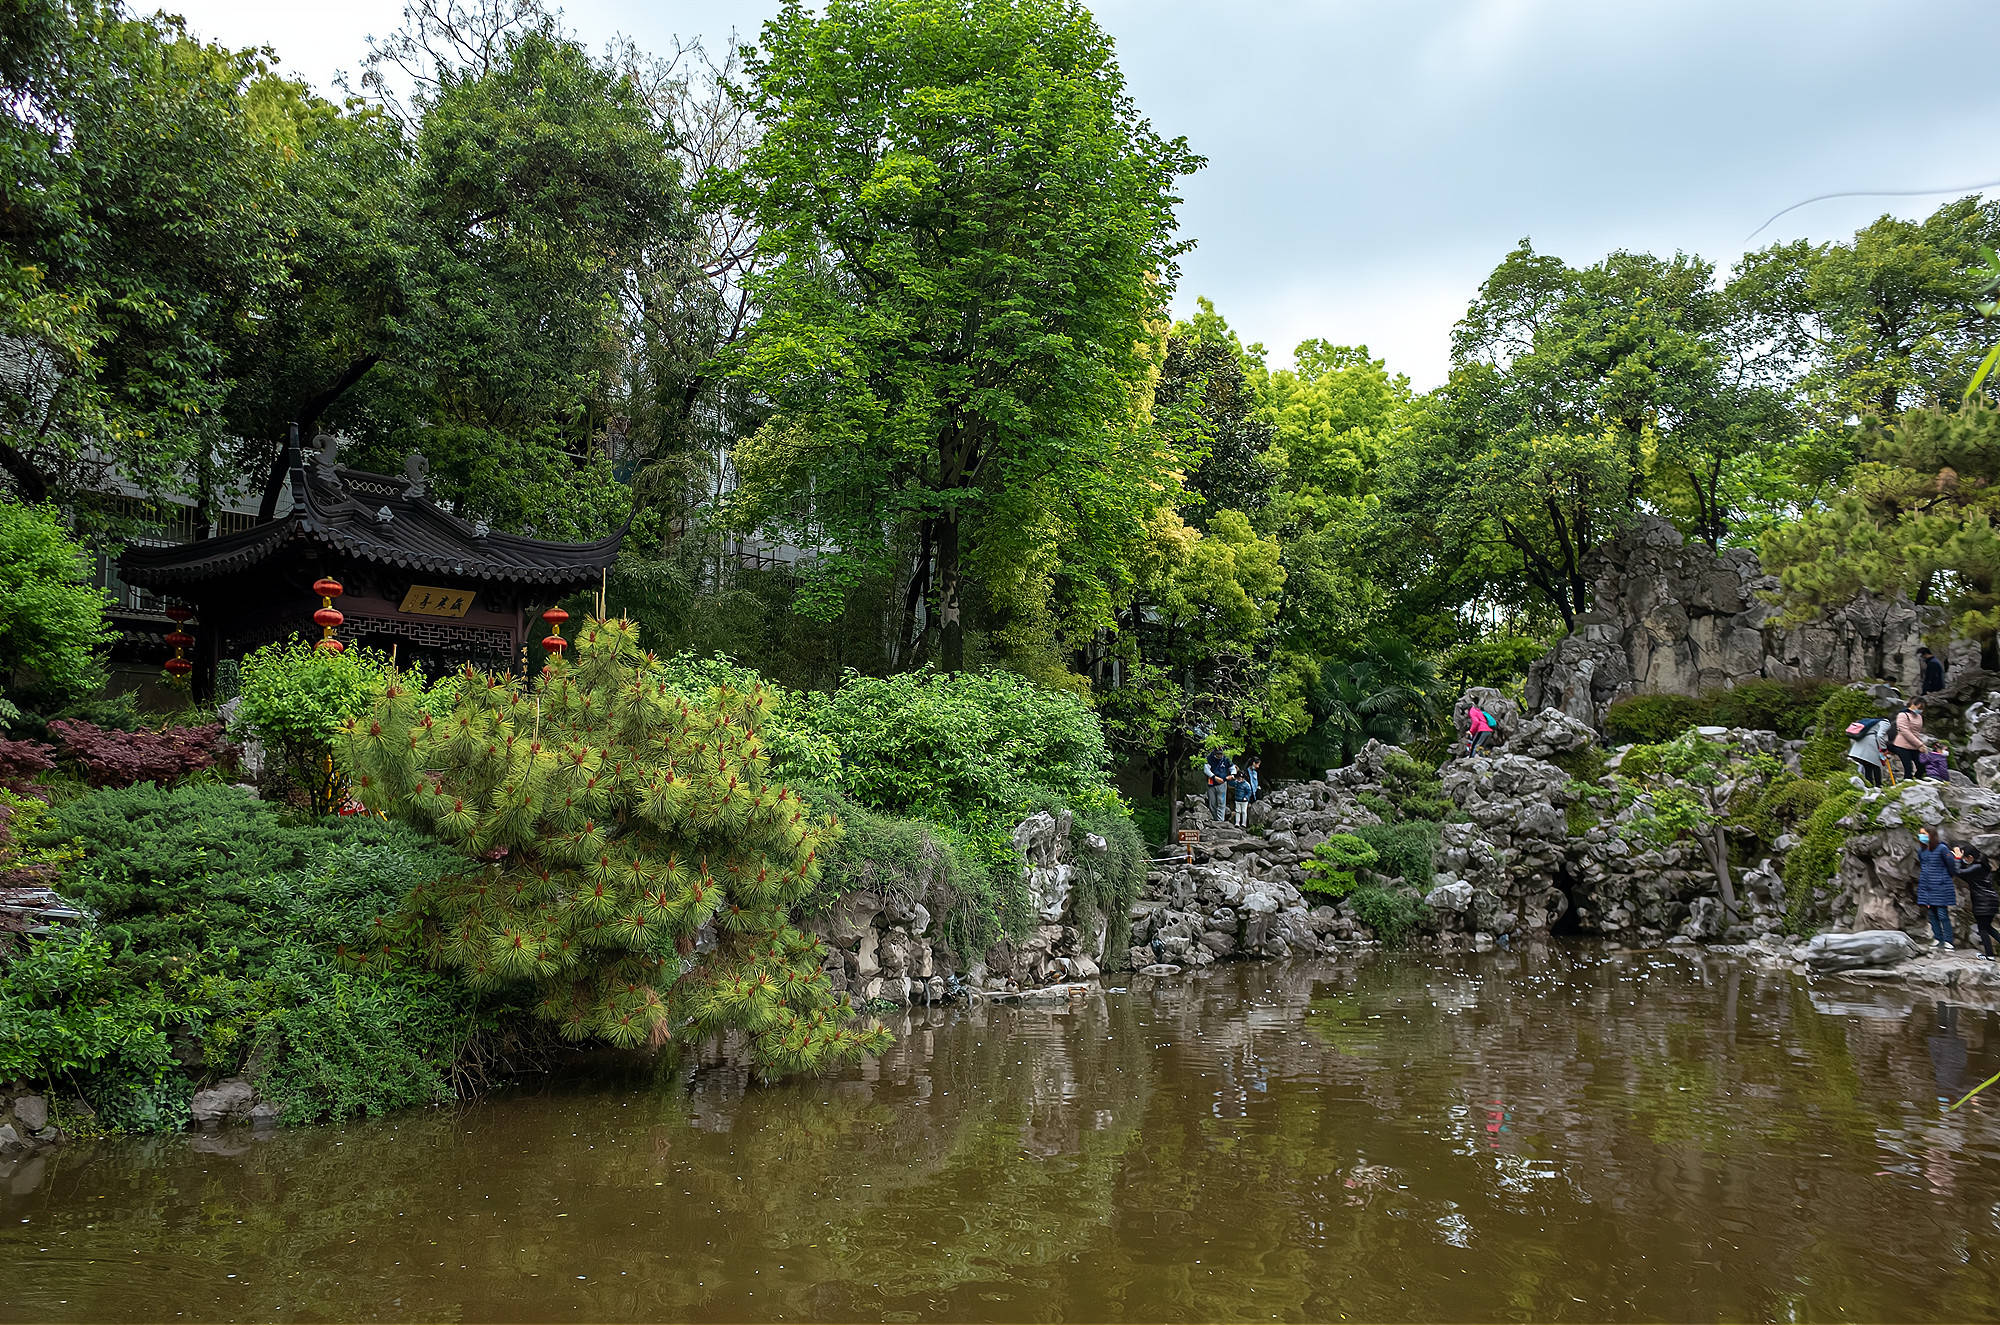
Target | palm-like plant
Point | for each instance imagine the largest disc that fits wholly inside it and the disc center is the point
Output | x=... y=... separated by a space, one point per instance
x=1386 y=690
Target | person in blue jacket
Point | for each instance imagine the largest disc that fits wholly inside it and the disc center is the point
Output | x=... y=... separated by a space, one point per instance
x=1937 y=886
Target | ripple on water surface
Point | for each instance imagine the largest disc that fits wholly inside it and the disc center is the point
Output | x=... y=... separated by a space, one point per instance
x=1549 y=1134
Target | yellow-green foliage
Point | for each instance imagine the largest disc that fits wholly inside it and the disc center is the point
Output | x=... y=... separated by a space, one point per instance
x=1813 y=861
x=606 y=821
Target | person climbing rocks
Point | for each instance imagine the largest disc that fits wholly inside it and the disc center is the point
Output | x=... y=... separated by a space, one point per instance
x=1218 y=785
x=1983 y=891
x=1933 y=670
x=1870 y=749
x=1478 y=727
x=1907 y=740
x=1937 y=888
x=1239 y=796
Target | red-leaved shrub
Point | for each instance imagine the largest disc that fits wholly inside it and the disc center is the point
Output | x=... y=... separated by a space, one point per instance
x=119 y=759
x=21 y=762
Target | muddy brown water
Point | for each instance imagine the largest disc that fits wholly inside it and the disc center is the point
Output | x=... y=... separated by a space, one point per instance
x=1559 y=1134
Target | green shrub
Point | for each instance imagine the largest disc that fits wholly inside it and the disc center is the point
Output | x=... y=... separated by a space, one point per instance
x=52 y=623
x=1813 y=861
x=965 y=745
x=294 y=698
x=1393 y=913
x=1500 y=663
x=1414 y=789
x=1786 y=803
x=1651 y=719
x=1330 y=871
x=1405 y=850
x=799 y=751
x=69 y=1015
x=1585 y=764
x=333 y=1042
x=165 y=872
x=1826 y=751
x=1784 y=707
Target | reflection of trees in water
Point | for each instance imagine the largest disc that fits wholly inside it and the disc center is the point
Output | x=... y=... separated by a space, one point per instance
x=1395 y=1139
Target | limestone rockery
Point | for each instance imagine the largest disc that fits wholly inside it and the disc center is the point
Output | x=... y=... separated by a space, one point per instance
x=887 y=946
x=1512 y=862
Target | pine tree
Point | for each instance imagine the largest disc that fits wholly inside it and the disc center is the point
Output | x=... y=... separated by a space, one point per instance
x=631 y=860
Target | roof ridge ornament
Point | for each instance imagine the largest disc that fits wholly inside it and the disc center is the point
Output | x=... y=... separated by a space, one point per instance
x=417 y=470
x=326 y=457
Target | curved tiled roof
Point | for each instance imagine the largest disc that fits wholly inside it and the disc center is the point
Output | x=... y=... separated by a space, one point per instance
x=340 y=512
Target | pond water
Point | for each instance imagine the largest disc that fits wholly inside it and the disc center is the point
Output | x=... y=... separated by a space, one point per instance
x=1552 y=1134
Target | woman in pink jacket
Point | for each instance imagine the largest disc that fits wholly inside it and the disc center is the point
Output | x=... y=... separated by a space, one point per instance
x=1907 y=738
x=1477 y=728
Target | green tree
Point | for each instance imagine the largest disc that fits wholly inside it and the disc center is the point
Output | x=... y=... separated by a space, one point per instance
x=1196 y=648
x=969 y=231
x=1915 y=517
x=1204 y=403
x=1685 y=789
x=1879 y=324
x=139 y=230
x=51 y=612
x=607 y=824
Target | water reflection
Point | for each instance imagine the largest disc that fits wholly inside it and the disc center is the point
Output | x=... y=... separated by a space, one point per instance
x=1544 y=1133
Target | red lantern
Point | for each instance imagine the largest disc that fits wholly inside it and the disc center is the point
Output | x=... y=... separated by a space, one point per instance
x=555 y=643
x=328 y=616
x=178 y=667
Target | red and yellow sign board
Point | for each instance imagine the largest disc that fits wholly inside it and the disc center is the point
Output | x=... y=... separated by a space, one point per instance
x=429 y=600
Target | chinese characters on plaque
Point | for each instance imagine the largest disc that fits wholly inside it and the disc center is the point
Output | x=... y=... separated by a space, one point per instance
x=429 y=600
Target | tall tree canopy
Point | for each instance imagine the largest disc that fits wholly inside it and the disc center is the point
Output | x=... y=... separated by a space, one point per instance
x=969 y=231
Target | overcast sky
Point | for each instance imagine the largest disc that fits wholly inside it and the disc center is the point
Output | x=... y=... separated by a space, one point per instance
x=1370 y=162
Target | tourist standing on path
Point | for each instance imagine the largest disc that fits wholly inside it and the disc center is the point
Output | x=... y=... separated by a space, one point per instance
x=1933 y=667
x=1218 y=785
x=1250 y=767
x=1984 y=894
x=1478 y=726
x=1937 y=890
x=1871 y=749
x=1239 y=796
x=1908 y=739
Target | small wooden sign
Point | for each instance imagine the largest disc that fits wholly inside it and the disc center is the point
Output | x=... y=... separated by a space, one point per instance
x=429 y=600
x=1188 y=835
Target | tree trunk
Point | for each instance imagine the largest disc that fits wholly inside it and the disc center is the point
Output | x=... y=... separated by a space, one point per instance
x=949 y=588
x=1718 y=856
x=33 y=487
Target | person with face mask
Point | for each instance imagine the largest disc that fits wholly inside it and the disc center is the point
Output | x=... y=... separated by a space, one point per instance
x=1937 y=888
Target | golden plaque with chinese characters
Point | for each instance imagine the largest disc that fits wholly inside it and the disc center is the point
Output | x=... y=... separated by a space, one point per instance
x=429 y=600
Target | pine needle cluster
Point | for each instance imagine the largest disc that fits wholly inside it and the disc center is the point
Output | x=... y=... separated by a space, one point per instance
x=630 y=857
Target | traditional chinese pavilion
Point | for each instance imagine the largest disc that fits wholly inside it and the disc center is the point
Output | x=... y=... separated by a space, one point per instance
x=417 y=579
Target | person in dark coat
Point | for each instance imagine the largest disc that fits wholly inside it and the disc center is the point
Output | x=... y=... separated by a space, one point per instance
x=1937 y=889
x=1218 y=785
x=1933 y=670
x=1983 y=891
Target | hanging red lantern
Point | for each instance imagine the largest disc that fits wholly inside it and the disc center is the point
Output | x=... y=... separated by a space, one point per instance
x=554 y=642
x=328 y=615
x=178 y=667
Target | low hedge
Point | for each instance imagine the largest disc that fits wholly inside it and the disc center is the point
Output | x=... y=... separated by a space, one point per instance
x=1785 y=707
